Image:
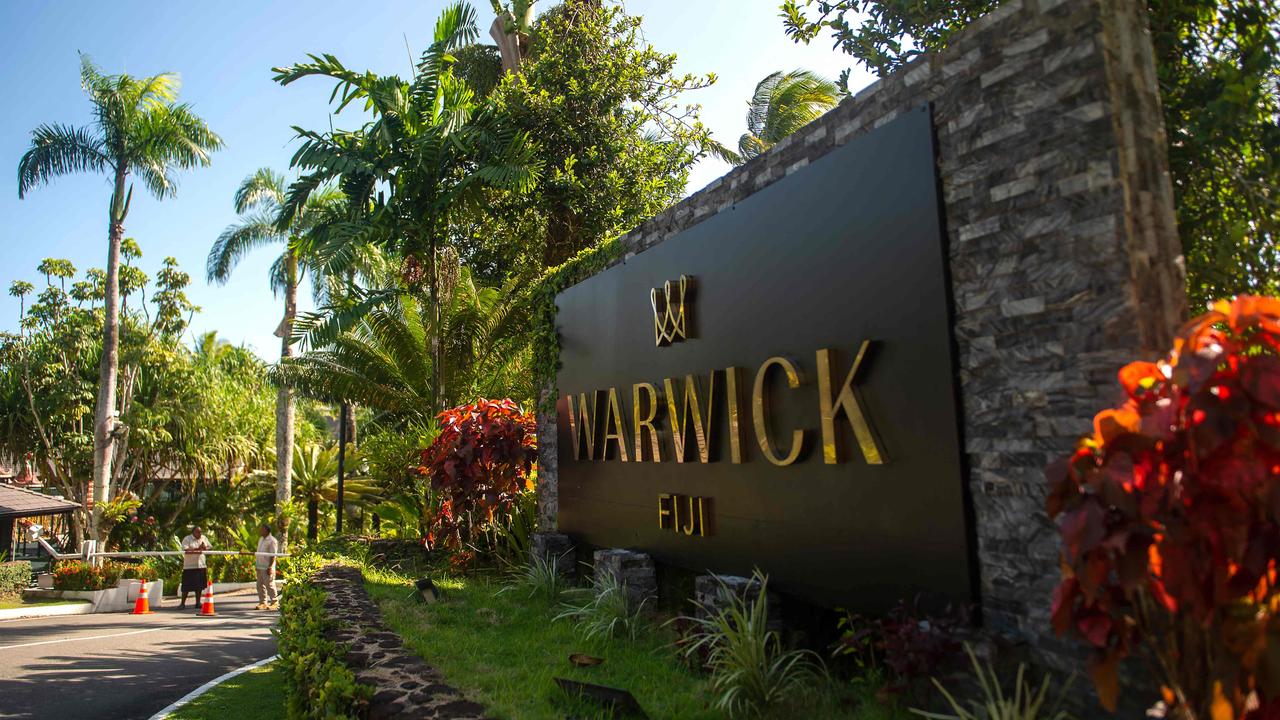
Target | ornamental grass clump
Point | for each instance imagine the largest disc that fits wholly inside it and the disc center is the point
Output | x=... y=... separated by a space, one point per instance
x=1026 y=702
x=539 y=578
x=603 y=610
x=750 y=670
x=1170 y=521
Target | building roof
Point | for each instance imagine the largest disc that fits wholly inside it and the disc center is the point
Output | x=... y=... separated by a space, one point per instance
x=16 y=502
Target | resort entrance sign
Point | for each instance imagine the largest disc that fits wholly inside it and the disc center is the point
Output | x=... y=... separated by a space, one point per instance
x=775 y=387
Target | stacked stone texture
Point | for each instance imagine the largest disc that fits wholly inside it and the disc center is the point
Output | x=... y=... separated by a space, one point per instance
x=403 y=685
x=554 y=548
x=633 y=570
x=713 y=594
x=1063 y=255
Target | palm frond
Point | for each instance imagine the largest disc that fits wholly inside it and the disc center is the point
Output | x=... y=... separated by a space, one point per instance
x=264 y=188
x=59 y=150
x=253 y=231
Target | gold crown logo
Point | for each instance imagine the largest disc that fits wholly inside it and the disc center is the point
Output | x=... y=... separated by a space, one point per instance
x=670 y=323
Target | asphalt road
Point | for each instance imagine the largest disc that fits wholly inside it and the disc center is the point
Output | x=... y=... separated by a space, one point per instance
x=115 y=665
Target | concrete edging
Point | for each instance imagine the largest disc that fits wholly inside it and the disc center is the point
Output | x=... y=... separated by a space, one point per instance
x=79 y=608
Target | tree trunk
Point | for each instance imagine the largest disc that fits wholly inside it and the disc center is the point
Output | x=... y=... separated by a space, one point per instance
x=437 y=343
x=284 y=396
x=103 y=419
x=313 y=518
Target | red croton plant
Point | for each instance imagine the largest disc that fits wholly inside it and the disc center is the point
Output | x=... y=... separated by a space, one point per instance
x=479 y=464
x=1171 y=521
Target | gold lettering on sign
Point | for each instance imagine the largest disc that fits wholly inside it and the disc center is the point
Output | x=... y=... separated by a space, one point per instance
x=684 y=514
x=731 y=377
x=642 y=423
x=848 y=402
x=666 y=512
x=614 y=429
x=760 y=405
x=583 y=424
x=679 y=411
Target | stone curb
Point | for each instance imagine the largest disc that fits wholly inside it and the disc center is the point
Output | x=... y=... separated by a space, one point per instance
x=403 y=685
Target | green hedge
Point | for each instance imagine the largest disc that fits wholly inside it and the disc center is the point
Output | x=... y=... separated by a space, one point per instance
x=319 y=686
x=15 y=577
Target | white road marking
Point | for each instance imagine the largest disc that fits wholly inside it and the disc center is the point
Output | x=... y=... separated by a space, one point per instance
x=207 y=687
x=91 y=637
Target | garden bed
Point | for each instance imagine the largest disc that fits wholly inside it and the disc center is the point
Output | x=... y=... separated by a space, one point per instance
x=503 y=649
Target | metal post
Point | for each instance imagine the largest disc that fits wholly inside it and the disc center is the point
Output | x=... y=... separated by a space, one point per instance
x=342 y=457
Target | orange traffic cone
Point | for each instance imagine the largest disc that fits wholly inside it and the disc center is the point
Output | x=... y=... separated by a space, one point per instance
x=142 y=606
x=206 y=601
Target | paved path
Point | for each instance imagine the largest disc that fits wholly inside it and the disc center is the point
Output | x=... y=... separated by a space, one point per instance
x=115 y=665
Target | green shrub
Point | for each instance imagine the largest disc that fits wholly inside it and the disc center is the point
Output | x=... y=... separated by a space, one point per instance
x=15 y=576
x=76 y=575
x=139 y=571
x=231 y=568
x=318 y=685
x=750 y=670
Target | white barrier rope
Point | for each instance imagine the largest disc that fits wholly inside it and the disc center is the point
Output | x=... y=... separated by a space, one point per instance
x=91 y=553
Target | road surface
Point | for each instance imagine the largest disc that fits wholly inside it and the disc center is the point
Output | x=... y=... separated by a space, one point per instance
x=115 y=665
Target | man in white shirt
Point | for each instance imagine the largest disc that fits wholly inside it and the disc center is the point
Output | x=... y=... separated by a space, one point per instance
x=264 y=565
x=195 y=569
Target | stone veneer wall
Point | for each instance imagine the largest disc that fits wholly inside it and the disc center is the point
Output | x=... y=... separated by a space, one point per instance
x=1064 y=257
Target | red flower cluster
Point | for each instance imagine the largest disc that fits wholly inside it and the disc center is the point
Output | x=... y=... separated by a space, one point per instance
x=1171 y=517
x=482 y=459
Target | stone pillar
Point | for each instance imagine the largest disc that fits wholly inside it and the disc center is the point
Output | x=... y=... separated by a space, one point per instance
x=714 y=593
x=555 y=547
x=548 y=461
x=634 y=570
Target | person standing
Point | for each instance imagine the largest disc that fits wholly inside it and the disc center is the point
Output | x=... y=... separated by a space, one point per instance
x=264 y=565
x=195 y=569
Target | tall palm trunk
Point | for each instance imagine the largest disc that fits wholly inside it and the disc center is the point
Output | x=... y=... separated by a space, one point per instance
x=284 y=396
x=103 y=416
x=437 y=343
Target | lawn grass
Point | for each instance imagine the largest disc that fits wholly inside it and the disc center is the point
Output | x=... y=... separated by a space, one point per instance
x=20 y=603
x=254 y=695
x=503 y=650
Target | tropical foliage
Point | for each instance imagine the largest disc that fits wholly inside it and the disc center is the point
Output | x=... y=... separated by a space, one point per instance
x=139 y=130
x=260 y=201
x=187 y=416
x=1170 y=525
x=480 y=465
x=1218 y=64
x=783 y=103
x=615 y=141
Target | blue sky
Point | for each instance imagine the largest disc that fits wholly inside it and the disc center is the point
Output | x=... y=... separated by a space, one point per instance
x=224 y=53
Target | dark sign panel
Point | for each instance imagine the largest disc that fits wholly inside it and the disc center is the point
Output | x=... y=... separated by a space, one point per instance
x=774 y=387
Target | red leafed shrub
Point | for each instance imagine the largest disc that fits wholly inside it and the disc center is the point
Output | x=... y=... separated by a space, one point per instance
x=479 y=464
x=1170 y=520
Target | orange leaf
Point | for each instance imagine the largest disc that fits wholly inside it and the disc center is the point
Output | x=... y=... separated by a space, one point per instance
x=1139 y=376
x=1112 y=423
x=1221 y=708
x=1106 y=678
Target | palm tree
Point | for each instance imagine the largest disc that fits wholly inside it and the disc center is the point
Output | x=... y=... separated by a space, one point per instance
x=139 y=129
x=431 y=145
x=315 y=478
x=260 y=201
x=782 y=104
x=384 y=363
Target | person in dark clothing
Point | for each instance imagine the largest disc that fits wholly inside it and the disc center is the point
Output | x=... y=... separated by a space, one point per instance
x=195 y=569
